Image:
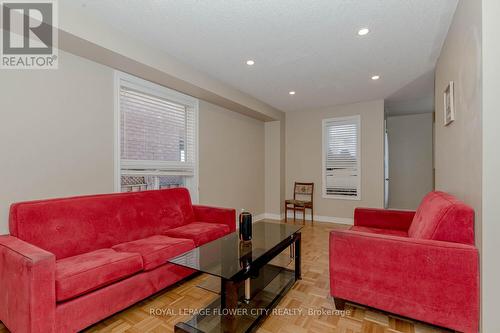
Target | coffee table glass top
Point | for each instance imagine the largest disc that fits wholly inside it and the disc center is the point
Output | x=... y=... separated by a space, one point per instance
x=227 y=256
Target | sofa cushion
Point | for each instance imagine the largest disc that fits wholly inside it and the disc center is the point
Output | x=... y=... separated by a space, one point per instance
x=199 y=232
x=83 y=273
x=443 y=217
x=381 y=231
x=72 y=226
x=156 y=250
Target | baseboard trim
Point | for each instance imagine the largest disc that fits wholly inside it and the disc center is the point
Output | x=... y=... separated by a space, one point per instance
x=271 y=216
x=259 y=217
x=318 y=218
x=331 y=219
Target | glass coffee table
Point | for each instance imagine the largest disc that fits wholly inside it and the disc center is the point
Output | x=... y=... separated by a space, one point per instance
x=254 y=276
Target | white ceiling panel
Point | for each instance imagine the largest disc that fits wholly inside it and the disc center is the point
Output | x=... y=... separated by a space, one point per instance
x=311 y=47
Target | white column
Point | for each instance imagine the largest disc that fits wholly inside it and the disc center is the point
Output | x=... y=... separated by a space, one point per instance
x=490 y=261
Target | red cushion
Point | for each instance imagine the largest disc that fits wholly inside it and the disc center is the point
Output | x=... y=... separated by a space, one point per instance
x=443 y=217
x=200 y=232
x=72 y=226
x=381 y=231
x=156 y=250
x=86 y=272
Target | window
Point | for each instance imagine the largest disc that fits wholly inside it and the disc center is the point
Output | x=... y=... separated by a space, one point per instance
x=341 y=158
x=156 y=136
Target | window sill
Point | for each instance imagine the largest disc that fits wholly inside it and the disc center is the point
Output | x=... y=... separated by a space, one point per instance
x=339 y=197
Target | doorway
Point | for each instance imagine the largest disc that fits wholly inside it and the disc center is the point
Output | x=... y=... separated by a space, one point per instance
x=409 y=159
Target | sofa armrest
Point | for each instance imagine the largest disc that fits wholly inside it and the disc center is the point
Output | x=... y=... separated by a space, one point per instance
x=433 y=281
x=27 y=292
x=383 y=218
x=216 y=215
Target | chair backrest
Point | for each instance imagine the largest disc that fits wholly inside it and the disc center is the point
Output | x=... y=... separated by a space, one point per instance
x=442 y=216
x=71 y=226
x=303 y=191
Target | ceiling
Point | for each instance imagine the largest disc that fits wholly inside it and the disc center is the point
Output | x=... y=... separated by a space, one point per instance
x=311 y=47
x=415 y=97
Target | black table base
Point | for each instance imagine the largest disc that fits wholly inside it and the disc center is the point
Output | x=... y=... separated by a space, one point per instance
x=231 y=312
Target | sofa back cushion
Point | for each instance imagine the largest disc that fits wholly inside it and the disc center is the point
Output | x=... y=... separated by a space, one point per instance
x=443 y=217
x=72 y=226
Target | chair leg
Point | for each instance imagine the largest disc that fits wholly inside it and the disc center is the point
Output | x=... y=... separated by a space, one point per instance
x=339 y=303
x=304 y=216
x=286 y=211
x=312 y=215
x=294 y=213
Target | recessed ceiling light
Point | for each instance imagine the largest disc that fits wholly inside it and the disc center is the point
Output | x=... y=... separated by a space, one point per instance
x=250 y=62
x=291 y=92
x=375 y=77
x=363 y=31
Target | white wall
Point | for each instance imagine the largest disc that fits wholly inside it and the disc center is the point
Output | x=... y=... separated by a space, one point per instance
x=458 y=147
x=464 y=167
x=56 y=139
x=491 y=166
x=56 y=132
x=410 y=159
x=274 y=170
x=117 y=50
x=304 y=156
x=231 y=159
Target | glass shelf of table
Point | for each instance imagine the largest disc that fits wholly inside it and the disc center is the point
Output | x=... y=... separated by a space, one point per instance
x=267 y=289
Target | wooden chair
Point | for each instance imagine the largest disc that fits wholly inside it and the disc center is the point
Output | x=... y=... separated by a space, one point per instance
x=303 y=194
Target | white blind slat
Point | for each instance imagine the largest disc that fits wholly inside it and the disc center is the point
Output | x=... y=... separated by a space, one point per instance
x=341 y=157
x=156 y=132
x=157 y=137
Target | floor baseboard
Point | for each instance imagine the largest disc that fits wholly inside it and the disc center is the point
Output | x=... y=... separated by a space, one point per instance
x=318 y=218
x=259 y=217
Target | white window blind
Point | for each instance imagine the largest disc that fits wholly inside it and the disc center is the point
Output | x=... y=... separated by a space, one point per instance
x=341 y=158
x=157 y=136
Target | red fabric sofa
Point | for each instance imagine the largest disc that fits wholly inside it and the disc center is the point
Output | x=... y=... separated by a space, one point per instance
x=71 y=262
x=421 y=265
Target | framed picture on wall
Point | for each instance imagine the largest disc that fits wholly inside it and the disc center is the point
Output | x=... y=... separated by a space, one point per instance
x=449 y=104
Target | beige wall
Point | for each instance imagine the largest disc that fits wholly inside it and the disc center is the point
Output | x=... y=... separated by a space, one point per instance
x=56 y=139
x=461 y=168
x=275 y=168
x=273 y=171
x=56 y=132
x=283 y=165
x=410 y=159
x=231 y=159
x=108 y=46
x=458 y=146
x=491 y=166
x=304 y=155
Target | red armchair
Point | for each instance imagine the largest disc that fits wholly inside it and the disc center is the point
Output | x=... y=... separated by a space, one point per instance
x=421 y=265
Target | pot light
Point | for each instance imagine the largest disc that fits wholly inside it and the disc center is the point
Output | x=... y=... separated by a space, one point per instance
x=363 y=31
x=250 y=62
x=375 y=77
x=291 y=92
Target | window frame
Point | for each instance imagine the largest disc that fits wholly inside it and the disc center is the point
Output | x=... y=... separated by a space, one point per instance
x=141 y=85
x=356 y=119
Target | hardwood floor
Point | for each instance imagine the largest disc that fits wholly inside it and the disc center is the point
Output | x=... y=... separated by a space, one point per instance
x=309 y=294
